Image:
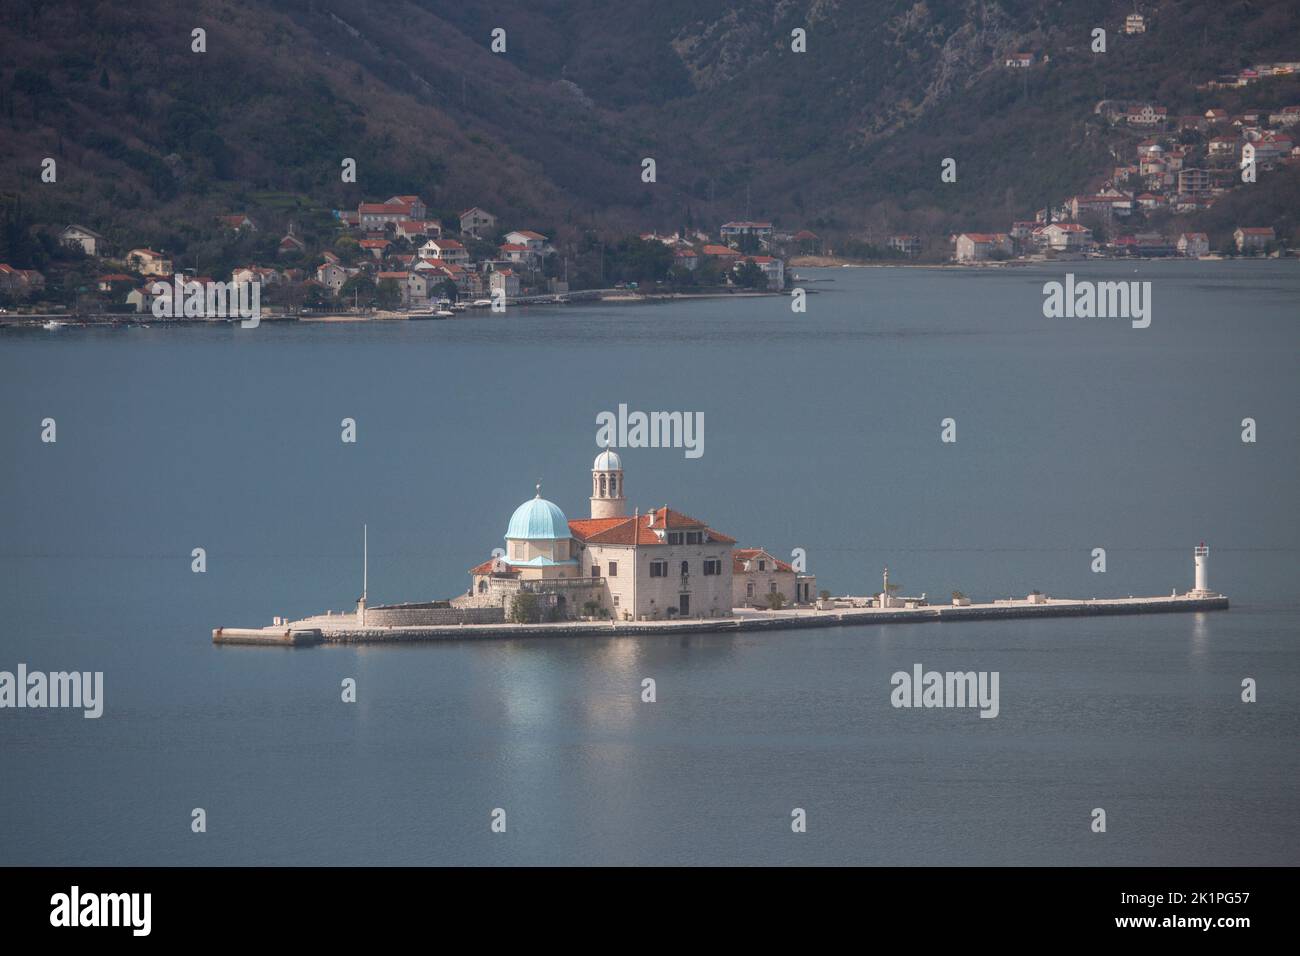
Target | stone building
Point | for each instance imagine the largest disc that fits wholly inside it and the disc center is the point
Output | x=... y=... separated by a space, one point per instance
x=757 y=574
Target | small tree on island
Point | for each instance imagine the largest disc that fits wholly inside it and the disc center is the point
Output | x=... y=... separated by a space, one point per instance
x=824 y=595
x=775 y=601
x=524 y=609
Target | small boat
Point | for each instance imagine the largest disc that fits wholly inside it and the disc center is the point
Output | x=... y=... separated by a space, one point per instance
x=444 y=313
x=481 y=303
x=53 y=324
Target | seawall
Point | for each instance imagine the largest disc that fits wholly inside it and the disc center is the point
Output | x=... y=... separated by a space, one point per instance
x=342 y=632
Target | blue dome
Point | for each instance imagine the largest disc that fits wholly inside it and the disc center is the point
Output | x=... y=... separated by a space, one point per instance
x=538 y=518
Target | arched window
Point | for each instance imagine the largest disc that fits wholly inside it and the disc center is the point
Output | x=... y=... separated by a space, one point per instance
x=602 y=486
x=482 y=586
x=686 y=568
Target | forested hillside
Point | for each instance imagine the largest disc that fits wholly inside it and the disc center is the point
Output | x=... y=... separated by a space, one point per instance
x=153 y=141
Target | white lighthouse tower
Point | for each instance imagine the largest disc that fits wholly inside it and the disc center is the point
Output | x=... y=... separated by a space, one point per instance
x=1201 y=588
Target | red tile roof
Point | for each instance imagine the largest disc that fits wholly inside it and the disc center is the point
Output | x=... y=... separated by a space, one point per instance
x=624 y=530
x=741 y=555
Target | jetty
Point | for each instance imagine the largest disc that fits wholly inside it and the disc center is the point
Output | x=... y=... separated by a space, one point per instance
x=348 y=629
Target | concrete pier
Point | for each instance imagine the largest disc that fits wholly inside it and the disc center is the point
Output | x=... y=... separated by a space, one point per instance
x=344 y=629
x=277 y=636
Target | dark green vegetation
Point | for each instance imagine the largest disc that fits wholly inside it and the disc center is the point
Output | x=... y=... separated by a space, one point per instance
x=153 y=141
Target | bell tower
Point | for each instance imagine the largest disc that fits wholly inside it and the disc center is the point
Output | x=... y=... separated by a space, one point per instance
x=607 y=499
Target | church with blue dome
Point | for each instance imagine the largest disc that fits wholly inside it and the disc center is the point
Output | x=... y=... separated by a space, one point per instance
x=655 y=565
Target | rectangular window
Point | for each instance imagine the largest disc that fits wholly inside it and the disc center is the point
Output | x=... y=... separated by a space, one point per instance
x=615 y=600
x=595 y=570
x=762 y=565
x=712 y=566
x=613 y=569
x=749 y=589
x=695 y=537
x=771 y=588
x=674 y=537
x=658 y=569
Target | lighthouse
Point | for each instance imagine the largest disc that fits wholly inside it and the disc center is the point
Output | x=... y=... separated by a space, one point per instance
x=1201 y=587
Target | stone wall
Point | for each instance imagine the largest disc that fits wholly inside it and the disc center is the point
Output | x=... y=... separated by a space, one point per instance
x=431 y=615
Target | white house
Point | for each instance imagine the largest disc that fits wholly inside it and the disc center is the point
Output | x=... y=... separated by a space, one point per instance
x=1252 y=238
x=445 y=250
x=90 y=242
x=1067 y=236
x=734 y=230
x=978 y=246
x=773 y=268
x=475 y=220
x=506 y=281
x=533 y=241
x=149 y=263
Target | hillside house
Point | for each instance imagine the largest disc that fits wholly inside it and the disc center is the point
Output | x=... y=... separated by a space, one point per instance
x=1067 y=236
x=377 y=248
x=504 y=281
x=1194 y=181
x=89 y=241
x=20 y=281
x=908 y=245
x=379 y=215
x=414 y=205
x=534 y=241
x=1193 y=244
x=730 y=231
x=444 y=250
x=237 y=223
x=149 y=263
x=979 y=246
x=474 y=221
x=773 y=269
x=428 y=228
x=1253 y=238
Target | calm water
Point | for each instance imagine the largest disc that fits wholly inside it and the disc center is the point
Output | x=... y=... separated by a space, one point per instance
x=822 y=432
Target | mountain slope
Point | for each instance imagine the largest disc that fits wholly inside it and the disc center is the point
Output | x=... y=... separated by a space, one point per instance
x=153 y=140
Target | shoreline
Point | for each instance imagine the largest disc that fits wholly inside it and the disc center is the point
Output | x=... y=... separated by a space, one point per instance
x=119 y=320
x=322 y=630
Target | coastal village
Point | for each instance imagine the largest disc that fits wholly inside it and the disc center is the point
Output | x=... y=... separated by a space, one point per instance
x=393 y=257
x=1181 y=165
x=1173 y=167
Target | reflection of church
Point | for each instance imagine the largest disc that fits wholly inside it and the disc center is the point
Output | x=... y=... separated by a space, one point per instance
x=653 y=566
